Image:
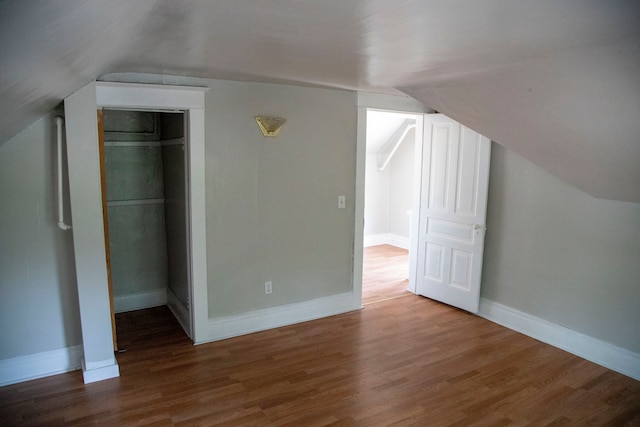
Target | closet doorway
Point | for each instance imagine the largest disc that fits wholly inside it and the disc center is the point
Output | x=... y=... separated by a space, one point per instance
x=145 y=197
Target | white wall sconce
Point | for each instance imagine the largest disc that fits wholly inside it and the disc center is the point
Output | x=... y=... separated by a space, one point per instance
x=270 y=126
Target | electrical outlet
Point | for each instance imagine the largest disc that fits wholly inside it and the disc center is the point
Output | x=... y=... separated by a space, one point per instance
x=341 y=202
x=268 y=287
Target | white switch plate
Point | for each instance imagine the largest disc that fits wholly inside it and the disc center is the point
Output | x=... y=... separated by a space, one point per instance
x=341 y=202
x=268 y=287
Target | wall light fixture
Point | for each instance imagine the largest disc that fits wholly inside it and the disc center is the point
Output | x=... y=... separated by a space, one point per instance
x=270 y=126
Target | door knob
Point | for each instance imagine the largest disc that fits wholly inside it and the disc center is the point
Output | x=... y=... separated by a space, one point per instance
x=477 y=227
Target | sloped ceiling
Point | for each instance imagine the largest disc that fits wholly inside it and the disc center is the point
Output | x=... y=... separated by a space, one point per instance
x=556 y=81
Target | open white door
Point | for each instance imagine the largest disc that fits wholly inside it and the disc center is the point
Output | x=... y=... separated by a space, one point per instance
x=453 y=203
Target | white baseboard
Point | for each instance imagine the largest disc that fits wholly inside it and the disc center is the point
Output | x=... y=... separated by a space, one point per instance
x=180 y=312
x=398 y=241
x=386 y=239
x=140 y=300
x=38 y=365
x=110 y=370
x=231 y=326
x=375 y=239
x=68 y=359
x=608 y=355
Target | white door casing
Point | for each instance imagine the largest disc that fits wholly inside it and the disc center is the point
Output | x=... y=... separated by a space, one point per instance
x=86 y=209
x=190 y=100
x=455 y=179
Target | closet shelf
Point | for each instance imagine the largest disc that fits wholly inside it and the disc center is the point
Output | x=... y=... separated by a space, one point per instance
x=134 y=202
x=161 y=143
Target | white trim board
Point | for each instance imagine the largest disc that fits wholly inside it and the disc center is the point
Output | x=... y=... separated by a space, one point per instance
x=149 y=97
x=157 y=143
x=400 y=102
x=93 y=374
x=191 y=100
x=180 y=312
x=39 y=365
x=608 y=355
x=140 y=300
x=275 y=317
x=398 y=241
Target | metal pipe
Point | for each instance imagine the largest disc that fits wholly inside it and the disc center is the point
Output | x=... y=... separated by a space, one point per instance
x=61 y=222
x=389 y=148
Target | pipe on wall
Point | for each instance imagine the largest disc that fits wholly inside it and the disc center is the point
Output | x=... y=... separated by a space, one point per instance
x=389 y=148
x=61 y=223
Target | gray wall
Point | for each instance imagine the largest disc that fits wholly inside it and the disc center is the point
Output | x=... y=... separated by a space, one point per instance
x=559 y=254
x=174 y=206
x=272 y=202
x=39 y=299
x=137 y=235
x=551 y=250
x=148 y=241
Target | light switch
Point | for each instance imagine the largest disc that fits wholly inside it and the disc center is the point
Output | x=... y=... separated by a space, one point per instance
x=341 y=202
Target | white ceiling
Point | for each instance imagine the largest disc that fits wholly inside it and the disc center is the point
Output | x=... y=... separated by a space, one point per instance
x=556 y=81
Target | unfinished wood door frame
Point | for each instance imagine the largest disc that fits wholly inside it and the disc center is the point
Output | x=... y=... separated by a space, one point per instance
x=105 y=221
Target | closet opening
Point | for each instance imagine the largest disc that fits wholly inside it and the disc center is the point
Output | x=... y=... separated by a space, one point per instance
x=145 y=193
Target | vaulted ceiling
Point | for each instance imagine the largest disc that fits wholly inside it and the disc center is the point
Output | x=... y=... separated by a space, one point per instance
x=556 y=81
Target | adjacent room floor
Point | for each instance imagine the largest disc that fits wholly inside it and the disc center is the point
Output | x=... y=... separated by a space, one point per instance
x=385 y=273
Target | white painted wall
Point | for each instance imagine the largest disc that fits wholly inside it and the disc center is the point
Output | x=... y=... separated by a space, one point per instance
x=559 y=254
x=401 y=187
x=388 y=193
x=376 y=199
x=38 y=295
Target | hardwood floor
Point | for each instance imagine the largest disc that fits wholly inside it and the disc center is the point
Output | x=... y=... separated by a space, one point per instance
x=401 y=361
x=385 y=273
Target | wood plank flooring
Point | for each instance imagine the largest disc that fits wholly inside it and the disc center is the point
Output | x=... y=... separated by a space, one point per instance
x=385 y=273
x=405 y=361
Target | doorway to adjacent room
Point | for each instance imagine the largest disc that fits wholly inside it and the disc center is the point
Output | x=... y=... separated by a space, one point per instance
x=390 y=180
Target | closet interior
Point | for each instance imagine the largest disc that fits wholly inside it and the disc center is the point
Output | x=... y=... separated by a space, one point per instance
x=146 y=198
